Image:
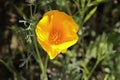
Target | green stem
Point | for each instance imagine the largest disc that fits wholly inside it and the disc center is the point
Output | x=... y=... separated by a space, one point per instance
x=93 y=69
x=31 y=72
x=38 y=57
x=45 y=67
x=46 y=62
x=38 y=54
x=15 y=76
x=42 y=67
x=7 y=66
x=35 y=9
x=31 y=14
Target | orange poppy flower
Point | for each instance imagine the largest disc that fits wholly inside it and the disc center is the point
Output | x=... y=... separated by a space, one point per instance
x=56 y=32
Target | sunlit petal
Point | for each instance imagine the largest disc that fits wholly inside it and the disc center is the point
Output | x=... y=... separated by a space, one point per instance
x=56 y=32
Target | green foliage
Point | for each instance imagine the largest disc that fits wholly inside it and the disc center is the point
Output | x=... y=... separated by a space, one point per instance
x=96 y=56
x=90 y=14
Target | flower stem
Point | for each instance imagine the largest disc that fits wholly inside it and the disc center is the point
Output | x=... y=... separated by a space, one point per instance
x=93 y=69
x=46 y=62
x=42 y=67
x=43 y=75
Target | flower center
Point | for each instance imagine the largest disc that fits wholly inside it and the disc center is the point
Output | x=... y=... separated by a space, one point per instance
x=55 y=36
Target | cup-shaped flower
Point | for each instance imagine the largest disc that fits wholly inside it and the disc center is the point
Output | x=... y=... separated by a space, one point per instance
x=56 y=32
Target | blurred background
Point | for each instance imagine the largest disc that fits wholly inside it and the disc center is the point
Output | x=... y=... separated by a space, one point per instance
x=101 y=31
